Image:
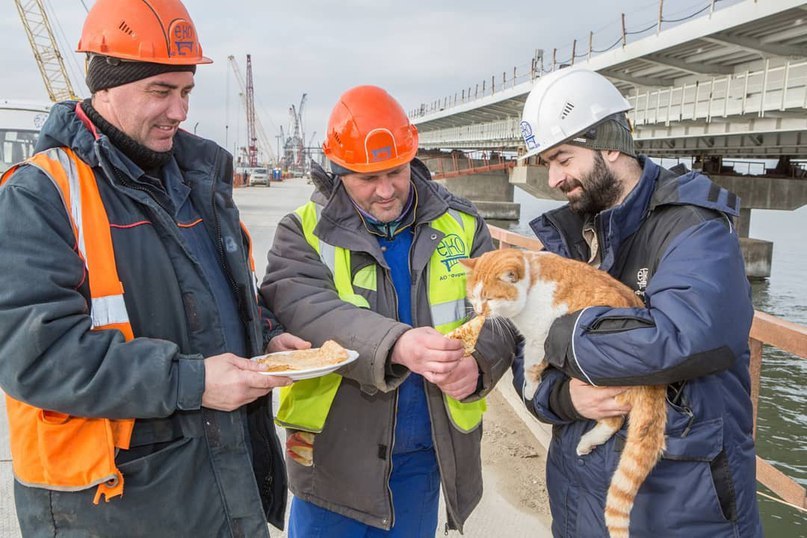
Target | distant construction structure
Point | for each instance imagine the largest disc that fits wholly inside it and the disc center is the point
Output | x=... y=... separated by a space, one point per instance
x=294 y=155
x=258 y=149
x=46 y=51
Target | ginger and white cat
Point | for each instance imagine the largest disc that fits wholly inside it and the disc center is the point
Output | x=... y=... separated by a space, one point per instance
x=533 y=289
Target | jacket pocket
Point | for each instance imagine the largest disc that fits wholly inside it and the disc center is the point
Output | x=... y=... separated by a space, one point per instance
x=724 y=485
x=74 y=452
x=693 y=475
x=146 y=468
x=688 y=438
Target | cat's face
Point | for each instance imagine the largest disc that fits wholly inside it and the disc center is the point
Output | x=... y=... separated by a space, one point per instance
x=498 y=283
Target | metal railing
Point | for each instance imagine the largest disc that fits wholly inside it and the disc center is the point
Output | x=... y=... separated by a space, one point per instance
x=539 y=65
x=765 y=330
x=772 y=88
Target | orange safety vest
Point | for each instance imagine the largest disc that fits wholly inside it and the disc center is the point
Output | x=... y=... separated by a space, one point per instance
x=54 y=450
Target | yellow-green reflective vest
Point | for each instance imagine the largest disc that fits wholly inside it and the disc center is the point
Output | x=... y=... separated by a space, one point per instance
x=305 y=404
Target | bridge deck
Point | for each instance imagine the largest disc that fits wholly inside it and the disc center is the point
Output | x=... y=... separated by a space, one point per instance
x=730 y=83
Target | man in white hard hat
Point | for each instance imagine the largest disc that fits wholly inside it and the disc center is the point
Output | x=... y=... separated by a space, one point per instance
x=672 y=240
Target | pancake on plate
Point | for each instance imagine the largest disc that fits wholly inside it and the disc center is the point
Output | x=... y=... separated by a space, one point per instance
x=329 y=354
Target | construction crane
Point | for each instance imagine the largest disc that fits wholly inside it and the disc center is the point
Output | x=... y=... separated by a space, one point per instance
x=263 y=141
x=294 y=150
x=252 y=147
x=302 y=127
x=295 y=145
x=46 y=51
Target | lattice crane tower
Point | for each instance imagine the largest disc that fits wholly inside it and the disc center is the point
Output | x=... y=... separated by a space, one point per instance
x=46 y=51
x=252 y=147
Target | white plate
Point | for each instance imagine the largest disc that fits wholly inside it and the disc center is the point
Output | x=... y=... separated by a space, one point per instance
x=296 y=375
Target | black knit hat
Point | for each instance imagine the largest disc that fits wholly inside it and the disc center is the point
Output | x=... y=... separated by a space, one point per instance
x=105 y=72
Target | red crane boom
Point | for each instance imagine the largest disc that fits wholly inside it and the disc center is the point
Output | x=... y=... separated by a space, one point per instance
x=252 y=142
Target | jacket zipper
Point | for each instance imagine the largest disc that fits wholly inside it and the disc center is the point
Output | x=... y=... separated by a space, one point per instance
x=225 y=267
x=126 y=182
x=388 y=279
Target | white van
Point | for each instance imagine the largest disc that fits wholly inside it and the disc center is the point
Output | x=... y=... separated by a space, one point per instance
x=259 y=176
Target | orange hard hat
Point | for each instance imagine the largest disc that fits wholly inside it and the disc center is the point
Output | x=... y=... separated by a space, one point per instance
x=155 y=31
x=368 y=131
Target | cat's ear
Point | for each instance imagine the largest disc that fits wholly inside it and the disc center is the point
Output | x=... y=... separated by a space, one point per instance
x=510 y=276
x=468 y=263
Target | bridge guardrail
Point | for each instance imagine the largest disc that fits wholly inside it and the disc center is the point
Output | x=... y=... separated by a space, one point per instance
x=561 y=58
x=765 y=330
x=773 y=88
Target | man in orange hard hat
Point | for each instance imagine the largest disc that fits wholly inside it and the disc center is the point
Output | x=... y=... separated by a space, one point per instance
x=372 y=262
x=129 y=306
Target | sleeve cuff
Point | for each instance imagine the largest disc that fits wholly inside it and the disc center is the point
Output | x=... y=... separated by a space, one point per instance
x=559 y=345
x=560 y=402
x=191 y=382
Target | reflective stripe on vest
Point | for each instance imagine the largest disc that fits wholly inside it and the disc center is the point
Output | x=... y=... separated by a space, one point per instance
x=53 y=450
x=305 y=404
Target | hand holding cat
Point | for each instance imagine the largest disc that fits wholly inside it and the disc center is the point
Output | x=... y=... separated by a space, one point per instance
x=427 y=352
x=597 y=403
x=462 y=381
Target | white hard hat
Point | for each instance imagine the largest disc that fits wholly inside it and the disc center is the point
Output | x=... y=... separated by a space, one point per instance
x=564 y=104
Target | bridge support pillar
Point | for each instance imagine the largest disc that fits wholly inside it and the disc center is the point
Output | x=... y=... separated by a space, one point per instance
x=491 y=192
x=762 y=192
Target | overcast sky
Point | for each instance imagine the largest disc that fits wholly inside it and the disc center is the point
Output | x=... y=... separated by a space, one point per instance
x=417 y=50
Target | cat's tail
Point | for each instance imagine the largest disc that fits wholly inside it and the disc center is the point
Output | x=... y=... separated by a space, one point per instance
x=643 y=448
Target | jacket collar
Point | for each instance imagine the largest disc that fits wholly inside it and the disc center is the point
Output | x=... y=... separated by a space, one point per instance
x=560 y=230
x=341 y=225
x=199 y=160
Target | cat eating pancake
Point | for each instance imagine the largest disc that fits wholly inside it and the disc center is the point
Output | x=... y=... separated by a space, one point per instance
x=533 y=289
x=468 y=332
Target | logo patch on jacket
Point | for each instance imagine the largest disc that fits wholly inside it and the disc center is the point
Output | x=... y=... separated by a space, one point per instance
x=229 y=244
x=641 y=281
x=451 y=249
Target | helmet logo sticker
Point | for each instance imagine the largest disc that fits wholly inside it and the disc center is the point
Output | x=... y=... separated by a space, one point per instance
x=182 y=38
x=567 y=109
x=380 y=154
x=528 y=135
x=379 y=146
x=451 y=249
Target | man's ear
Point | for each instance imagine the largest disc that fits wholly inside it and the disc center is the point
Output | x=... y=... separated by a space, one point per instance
x=610 y=155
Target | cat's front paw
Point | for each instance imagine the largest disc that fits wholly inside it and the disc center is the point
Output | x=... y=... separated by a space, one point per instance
x=584 y=448
x=532 y=378
x=530 y=388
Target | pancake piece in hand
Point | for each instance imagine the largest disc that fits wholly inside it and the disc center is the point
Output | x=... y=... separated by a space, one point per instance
x=468 y=332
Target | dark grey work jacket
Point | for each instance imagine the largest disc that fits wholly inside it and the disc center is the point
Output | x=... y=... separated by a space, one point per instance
x=352 y=455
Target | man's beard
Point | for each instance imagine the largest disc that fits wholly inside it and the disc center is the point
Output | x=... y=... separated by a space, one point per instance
x=599 y=189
